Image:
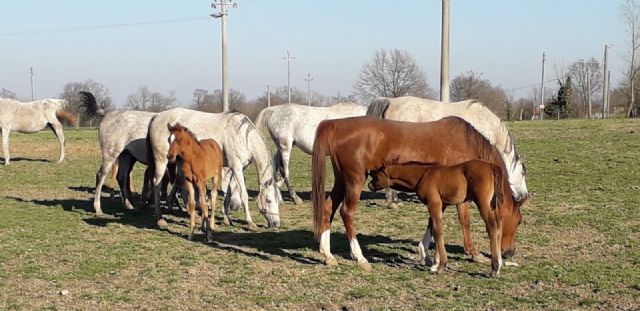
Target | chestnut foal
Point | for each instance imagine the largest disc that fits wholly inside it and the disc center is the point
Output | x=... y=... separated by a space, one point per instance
x=439 y=186
x=199 y=161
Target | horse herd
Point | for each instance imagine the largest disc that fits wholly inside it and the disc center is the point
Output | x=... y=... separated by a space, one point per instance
x=447 y=153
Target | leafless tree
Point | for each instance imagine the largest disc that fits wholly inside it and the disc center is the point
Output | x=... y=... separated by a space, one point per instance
x=581 y=73
x=212 y=102
x=630 y=14
x=279 y=96
x=7 y=94
x=470 y=85
x=70 y=92
x=391 y=74
x=146 y=100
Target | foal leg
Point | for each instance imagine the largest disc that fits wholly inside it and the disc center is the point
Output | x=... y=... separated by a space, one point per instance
x=493 y=225
x=435 y=210
x=213 y=194
x=204 y=209
x=347 y=212
x=465 y=223
x=192 y=209
x=423 y=246
x=5 y=145
x=57 y=130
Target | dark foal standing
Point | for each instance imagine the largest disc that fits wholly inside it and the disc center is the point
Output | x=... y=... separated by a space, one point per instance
x=439 y=186
x=200 y=160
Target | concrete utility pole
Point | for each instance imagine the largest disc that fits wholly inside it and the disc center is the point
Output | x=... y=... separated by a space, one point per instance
x=223 y=25
x=288 y=58
x=605 y=83
x=589 y=90
x=268 y=96
x=309 y=78
x=32 y=94
x=542 y=88
x=444 y=54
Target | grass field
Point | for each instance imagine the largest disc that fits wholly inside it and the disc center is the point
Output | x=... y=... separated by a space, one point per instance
x=578 y=246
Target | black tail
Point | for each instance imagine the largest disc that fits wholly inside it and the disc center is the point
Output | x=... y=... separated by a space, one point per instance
x=90 y=105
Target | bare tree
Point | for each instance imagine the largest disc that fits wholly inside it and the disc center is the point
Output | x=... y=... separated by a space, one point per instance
x=212 y=102
x=70 y=92
x=391 y=74
x=7 y=94
x=630 y=14
x=161 y=102
x=582 y=73
x=146 y=100
x=279 y=96
x=470 y=85
x=140 y=100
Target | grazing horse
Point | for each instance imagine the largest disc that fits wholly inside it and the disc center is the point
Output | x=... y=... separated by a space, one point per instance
x=241 y=144
x=438 y=186
x=200 y=161
x=31 y=117
x=359 y=145
x=413 y=109
x=293 y=124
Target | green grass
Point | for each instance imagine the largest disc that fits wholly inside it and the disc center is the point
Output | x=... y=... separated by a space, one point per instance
x=577 y=246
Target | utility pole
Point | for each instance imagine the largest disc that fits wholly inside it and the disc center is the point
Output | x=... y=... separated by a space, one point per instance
x=589 y=90
x=444 y=54
x=542 y=88
x=309 y=78
x=268 y=96
x=32 y=94
x=223 y=25
x=288 y=58
x=605 y=83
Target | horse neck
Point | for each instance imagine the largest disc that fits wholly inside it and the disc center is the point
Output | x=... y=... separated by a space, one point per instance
x=407 y=176
x=261 y=157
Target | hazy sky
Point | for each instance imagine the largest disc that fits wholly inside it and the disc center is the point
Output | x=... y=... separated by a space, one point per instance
x=503 y=39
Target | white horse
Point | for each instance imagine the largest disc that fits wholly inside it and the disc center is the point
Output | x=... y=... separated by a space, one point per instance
x=293 y=124
x=31 y=117
x=413 y=109
x=241 y=144
x=123 y=136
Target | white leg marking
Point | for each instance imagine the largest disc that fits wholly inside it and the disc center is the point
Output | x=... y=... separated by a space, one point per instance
x=356 y=252
x=325 y=244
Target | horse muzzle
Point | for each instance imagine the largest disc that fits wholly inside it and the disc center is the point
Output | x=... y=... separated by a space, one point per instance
x=509 y=253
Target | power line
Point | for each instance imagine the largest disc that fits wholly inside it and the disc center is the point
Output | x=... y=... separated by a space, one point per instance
x=92 y=27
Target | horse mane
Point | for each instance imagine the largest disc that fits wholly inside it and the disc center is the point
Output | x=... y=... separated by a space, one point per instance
x=378 y=107
x=516 y=155
x=179 y=127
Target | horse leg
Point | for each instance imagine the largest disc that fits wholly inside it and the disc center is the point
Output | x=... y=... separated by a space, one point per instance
x=192 y=209
x=112 y=181
x=242 y=189
x=57 y=130
x=159 y=168
x=331 y=204
x=5 y=145
x=126 y=162
x=493 y=225
x=204 y=210
x=213 y=195
x=391 y=197
x=286 y=157
x=423 y=246
x=435 y=210
x=347 y=212
x=101 y=175
x=465 y=223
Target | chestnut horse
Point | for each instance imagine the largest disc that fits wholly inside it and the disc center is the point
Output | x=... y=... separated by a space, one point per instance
x=435 y=185
x=199 y=161
x=359 y=145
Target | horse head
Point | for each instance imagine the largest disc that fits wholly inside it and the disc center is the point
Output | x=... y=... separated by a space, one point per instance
x=379 y=180
x=269 y=203
x=511 y=219
x=179 y=140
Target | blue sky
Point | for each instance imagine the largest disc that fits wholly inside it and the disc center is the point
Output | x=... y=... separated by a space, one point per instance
x=503 y=39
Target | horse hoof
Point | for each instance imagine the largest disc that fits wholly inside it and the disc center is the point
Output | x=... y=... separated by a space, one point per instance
x=162 y=224
x=400 y=204
x=297 y=200
x=253 y=227
x=494 y=274
x=479 y=258
x=331 y=261
x=366 y=266
x=226 y=222
x=392 y=205
x=190 y=237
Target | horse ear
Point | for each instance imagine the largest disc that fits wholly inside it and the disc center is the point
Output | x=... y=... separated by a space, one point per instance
x=169 y=127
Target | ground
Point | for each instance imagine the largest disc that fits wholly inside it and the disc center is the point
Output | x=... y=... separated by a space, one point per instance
x=578 y=245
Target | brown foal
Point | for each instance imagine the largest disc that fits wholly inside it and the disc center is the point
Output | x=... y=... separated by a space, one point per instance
x=438 y=186
x=200 y=160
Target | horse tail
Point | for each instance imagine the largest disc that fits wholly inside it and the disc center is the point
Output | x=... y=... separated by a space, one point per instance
x=498 y=193
x=91 y=106
x=378 y=107
x=66 y=117
x=263 y=118
x=324 y=135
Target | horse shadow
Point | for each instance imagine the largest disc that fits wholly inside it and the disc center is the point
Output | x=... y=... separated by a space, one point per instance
x=294 y=244
x=21 y=159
